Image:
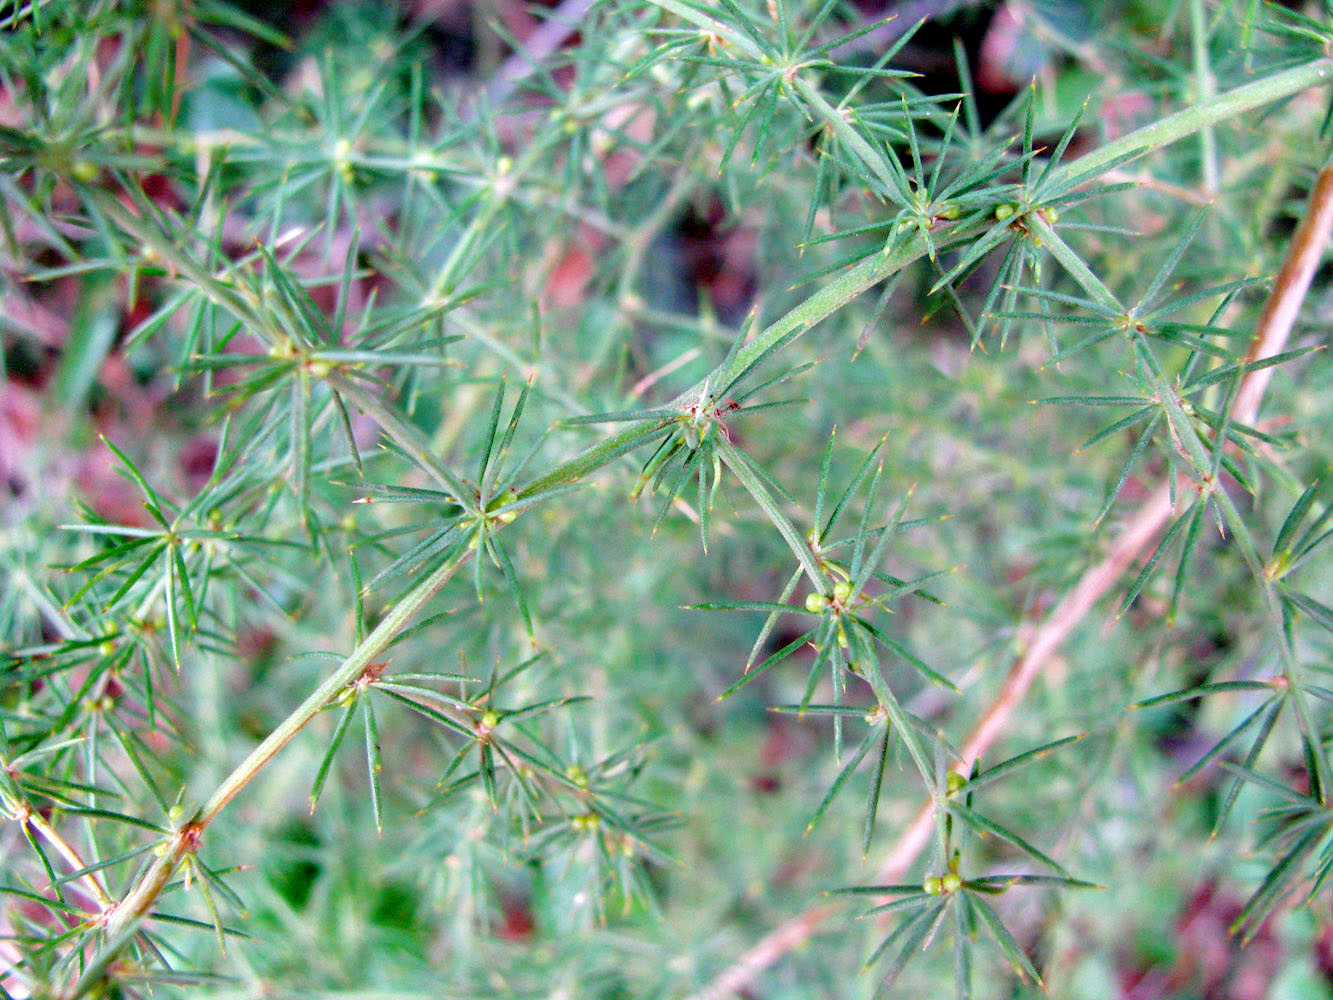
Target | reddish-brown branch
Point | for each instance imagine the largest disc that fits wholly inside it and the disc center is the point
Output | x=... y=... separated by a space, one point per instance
x=1284 y=302
x=1042 y=640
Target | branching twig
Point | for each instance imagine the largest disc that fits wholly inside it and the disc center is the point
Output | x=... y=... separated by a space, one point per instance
x=1043 y=640
x=136 y=906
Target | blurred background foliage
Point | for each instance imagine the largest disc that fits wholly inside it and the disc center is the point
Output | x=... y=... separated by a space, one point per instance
x=258 y=260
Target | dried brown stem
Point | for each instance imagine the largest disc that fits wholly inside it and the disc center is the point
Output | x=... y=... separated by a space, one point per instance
x=1041 y=641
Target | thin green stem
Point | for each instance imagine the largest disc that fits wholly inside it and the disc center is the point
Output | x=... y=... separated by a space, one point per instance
x=835 y=120
x=849 y=285
x=1190 y=121
x=405 y=435
x=1097 y=580
x=1205 y=90
x=135 y=907
x=591 y=459
x=493 y=200
x=124 y=919
x=877 y=267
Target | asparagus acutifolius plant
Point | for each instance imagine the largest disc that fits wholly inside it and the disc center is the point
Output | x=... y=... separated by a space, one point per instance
x=577 y=506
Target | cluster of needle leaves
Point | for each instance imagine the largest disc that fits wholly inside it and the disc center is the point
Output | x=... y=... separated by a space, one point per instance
x=390 y=492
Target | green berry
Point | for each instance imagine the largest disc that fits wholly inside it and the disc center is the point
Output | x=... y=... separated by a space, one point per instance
x=1003 y=212
x=842 y=591
x=955 y=781
x=816 y=603
x=931 y=885
x=951 y=882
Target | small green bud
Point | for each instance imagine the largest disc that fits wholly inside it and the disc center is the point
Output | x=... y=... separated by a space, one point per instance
x=955 y=781
x=1003 y=212
x=816 y=603
x=84 y=171
x=951 y=882
x=1052 y=216
x=842 y=591
x=490 y=719
x=950 y=210
x=504 y=500
x=931 y=885
x=577 y=775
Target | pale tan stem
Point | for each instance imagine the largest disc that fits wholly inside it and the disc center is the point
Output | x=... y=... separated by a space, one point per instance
x=1284 y=302
x=52 y=836
x=1043 y=640
x=1041 y=643
x=772 y=946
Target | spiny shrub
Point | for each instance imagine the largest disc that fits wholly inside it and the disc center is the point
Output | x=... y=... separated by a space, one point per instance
x=579 y=509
